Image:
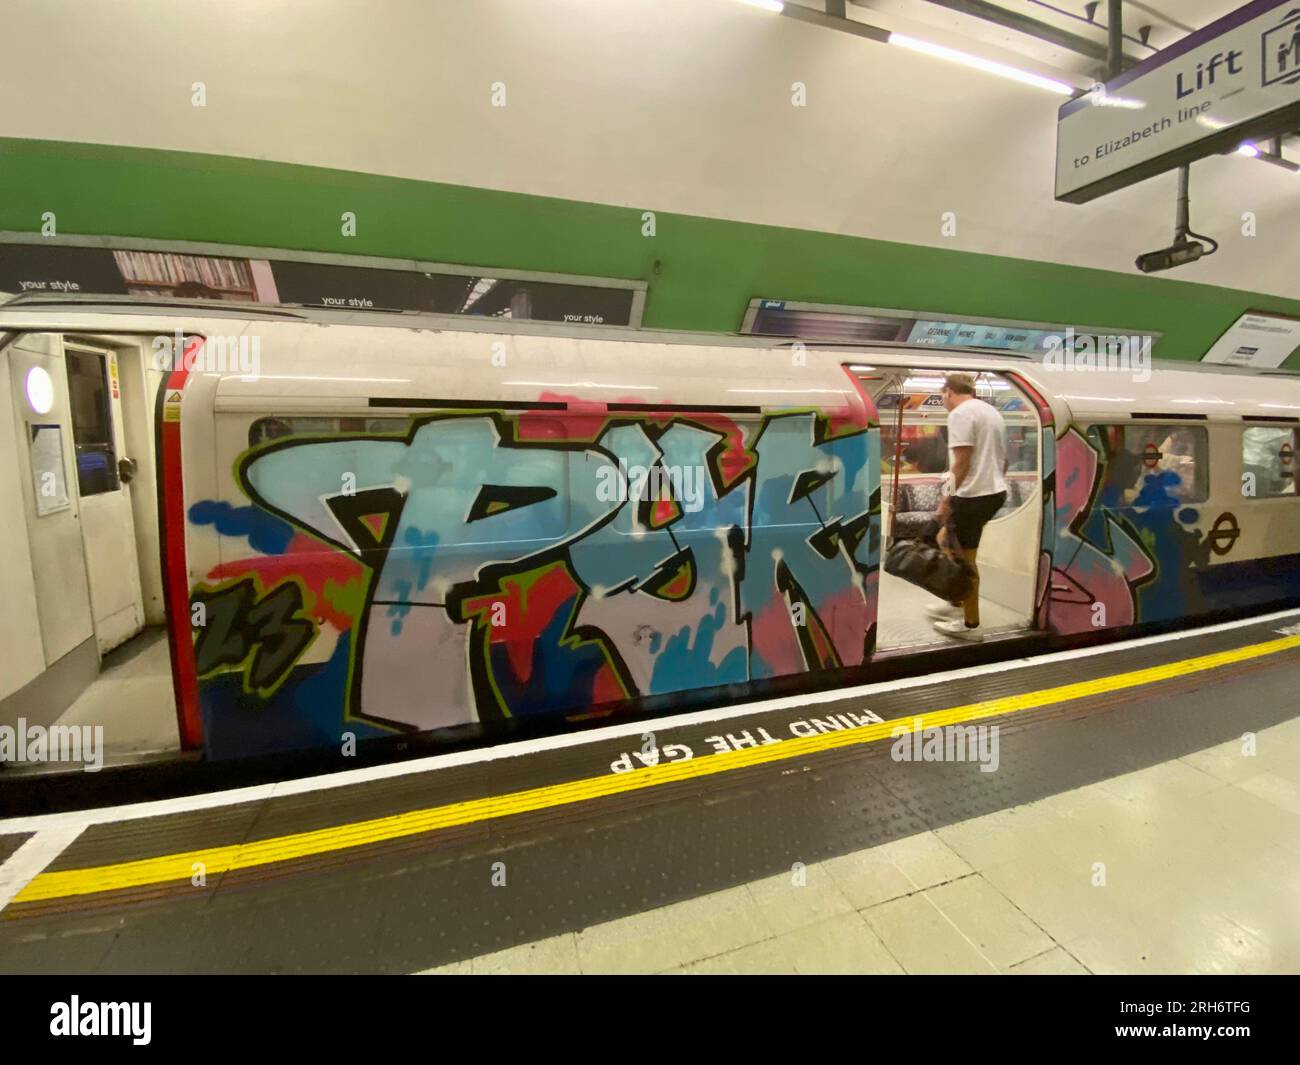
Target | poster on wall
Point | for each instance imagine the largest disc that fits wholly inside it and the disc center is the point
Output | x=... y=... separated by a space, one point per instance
x=64 y=269
x=57 y=270
x=1264 y=341
x=864 y=325
x=366 y=288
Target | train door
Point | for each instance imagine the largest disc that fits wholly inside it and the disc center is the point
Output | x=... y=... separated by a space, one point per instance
x=914 y=468
x=53 y=519
x=103 y=486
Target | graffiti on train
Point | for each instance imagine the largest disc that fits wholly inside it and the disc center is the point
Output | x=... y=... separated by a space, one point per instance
x=1122 y=555
x=492 y=565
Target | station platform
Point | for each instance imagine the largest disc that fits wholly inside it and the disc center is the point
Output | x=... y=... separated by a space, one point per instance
x=1137 y=811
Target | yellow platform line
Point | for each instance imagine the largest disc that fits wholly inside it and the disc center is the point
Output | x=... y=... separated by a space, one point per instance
x=215 y=860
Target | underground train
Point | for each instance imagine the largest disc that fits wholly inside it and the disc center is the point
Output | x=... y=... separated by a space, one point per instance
x=367 y=526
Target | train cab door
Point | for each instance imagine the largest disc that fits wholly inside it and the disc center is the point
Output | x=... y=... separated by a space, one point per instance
x=45 y=469
x=103 y=485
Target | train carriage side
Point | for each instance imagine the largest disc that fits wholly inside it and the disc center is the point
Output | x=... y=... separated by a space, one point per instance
x=385 y=529
x=1176 y=498
x=391 y=531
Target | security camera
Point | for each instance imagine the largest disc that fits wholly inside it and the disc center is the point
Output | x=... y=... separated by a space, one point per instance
x=1185 y=251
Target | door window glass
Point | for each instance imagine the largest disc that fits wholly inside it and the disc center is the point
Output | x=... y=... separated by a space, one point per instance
x=47 y=469
x=92 y=422
x=1151 y=465
x=1268 y=456
x=916 y=436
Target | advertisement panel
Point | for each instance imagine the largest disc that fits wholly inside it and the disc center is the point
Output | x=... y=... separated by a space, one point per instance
x=61 y=269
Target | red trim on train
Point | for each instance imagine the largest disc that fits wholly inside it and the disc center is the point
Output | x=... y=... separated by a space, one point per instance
x=175 y=573
x=872 y=414
x=1045 y=414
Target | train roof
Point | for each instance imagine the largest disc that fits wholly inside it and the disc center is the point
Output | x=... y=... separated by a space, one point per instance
x=303 y=344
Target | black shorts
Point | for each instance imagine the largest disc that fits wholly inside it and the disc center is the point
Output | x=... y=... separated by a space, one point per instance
x=971 y=513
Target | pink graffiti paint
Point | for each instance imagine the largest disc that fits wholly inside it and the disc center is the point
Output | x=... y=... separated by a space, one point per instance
x=848 y=616
x=313 y=563
x=1091 y=576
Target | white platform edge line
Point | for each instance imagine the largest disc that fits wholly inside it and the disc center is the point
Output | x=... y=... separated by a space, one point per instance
x=347 y=777
x=32 y=859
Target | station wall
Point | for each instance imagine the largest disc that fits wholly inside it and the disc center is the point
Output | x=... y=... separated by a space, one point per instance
x=680 y=107
x=702 y=272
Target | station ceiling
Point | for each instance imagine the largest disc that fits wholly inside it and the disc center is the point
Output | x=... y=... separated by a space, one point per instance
x=680 y=106
x=1158 y=23
x=1069 y=35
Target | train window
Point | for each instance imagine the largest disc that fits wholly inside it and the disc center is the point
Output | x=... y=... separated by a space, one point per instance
x=1153 y=465
x=919 y=448
x=92 y=422
x=1268 y=458
x=1022 y=448
x=918 y=436
x=266 y=429
x=47 y=470
x=460 y=466
x=803 y=495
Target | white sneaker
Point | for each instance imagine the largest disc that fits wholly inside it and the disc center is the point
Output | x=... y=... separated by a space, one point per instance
x=959 y=629
x=944 y=612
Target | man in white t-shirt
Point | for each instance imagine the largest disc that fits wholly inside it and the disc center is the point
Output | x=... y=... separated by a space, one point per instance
x=977 y=463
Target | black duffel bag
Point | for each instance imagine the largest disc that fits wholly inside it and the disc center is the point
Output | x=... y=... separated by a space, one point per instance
x=931 y=568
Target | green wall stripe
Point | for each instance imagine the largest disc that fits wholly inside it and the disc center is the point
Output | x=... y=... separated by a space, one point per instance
x=702 y=272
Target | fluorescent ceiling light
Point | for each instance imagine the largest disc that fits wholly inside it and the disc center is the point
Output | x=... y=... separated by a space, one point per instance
x=1100 y=98
x=987 y=65
x=766 y=5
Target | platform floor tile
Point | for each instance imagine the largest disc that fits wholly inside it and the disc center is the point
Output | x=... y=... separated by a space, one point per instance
x=841 y=945
x=1054 y=962
x=1191 y=866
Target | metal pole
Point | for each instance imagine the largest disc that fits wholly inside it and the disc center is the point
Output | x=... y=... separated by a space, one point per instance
x=1114 y=38
x=1184 y=220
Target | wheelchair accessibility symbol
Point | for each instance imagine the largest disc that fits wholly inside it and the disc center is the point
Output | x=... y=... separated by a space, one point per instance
x=1282 y=51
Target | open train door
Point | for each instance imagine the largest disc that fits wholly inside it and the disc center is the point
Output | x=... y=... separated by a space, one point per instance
x=914 y=468
x=103 y=486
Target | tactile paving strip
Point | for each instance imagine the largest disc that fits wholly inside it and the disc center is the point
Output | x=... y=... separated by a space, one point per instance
x=421 y=901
